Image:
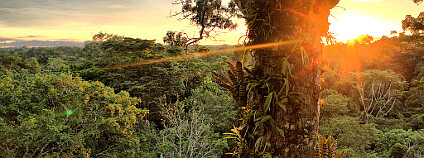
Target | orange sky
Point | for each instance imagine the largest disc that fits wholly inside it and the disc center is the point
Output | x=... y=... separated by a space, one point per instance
x=149 y=19
x=374 y=17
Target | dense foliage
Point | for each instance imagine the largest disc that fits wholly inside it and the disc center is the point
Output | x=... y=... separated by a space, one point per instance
x=47 y=109
x=77 y=102
x=373 y=97
x=47 y=114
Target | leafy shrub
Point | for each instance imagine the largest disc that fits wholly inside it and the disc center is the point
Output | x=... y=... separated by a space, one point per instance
x=201 y=49
x=219 y=105
x=387 y=124
x=417 y=121
x=401 y=143
x=360 y=138
x=414 y=98
x=174 y=50
x=48 y=114
x=336 y=104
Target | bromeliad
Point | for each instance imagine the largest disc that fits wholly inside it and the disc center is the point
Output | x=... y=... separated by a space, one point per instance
x=234 y=82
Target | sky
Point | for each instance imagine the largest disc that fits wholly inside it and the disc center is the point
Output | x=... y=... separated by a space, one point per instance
x=79 y=20
x=351 y=18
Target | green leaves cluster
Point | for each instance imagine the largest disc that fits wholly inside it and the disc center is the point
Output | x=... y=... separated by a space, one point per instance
x=336 y=104
x=48 y=114
x=401 y=143
x=415 y=96
x=356 y=138
x=10 y=62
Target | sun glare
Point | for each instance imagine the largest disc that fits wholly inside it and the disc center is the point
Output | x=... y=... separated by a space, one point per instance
x=350 y=26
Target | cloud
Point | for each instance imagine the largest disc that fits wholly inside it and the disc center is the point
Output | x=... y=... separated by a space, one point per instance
x=54 y=13
x=79 y=19
x=68 y=39
x=30 y=36
x=21 y=38
x=116 y=6
x=34 y=38
x=6 y=39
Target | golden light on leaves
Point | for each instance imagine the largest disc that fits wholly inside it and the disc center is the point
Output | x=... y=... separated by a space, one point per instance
x=357 y=55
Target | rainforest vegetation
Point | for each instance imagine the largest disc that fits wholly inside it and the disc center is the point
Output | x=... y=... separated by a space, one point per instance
x=70 y=101
x=282 y=93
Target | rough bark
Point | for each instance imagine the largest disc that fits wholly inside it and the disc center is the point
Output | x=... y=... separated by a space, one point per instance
x=286 y=20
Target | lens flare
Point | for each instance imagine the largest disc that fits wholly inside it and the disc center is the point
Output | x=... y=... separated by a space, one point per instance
x=258 y=46
x=69 y=112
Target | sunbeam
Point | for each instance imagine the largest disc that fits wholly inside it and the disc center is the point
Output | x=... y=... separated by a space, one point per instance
x=148 y=62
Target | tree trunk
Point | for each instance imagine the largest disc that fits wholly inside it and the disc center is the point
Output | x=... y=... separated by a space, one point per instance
x=302 y=21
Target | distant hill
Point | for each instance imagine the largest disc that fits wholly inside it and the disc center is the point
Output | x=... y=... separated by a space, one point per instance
x=36 y=43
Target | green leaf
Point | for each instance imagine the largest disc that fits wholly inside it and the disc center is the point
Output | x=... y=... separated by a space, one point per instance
x=268 y=102
x=264 y=85
x=286 y=86
x=280 y=131
x=252 y=85
x=257 y=119
x=282 y=106
x=266 y=118
x=267 y=155
x=286 y=68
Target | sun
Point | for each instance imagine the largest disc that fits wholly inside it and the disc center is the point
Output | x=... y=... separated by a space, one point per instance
x=352 y=25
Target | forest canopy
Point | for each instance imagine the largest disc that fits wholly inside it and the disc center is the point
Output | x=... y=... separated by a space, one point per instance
x=282 y=93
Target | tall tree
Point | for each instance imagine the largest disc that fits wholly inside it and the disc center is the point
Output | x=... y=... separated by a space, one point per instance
x=175 y=38
x=289 y=72
x=415 y=25
x=303 y=22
